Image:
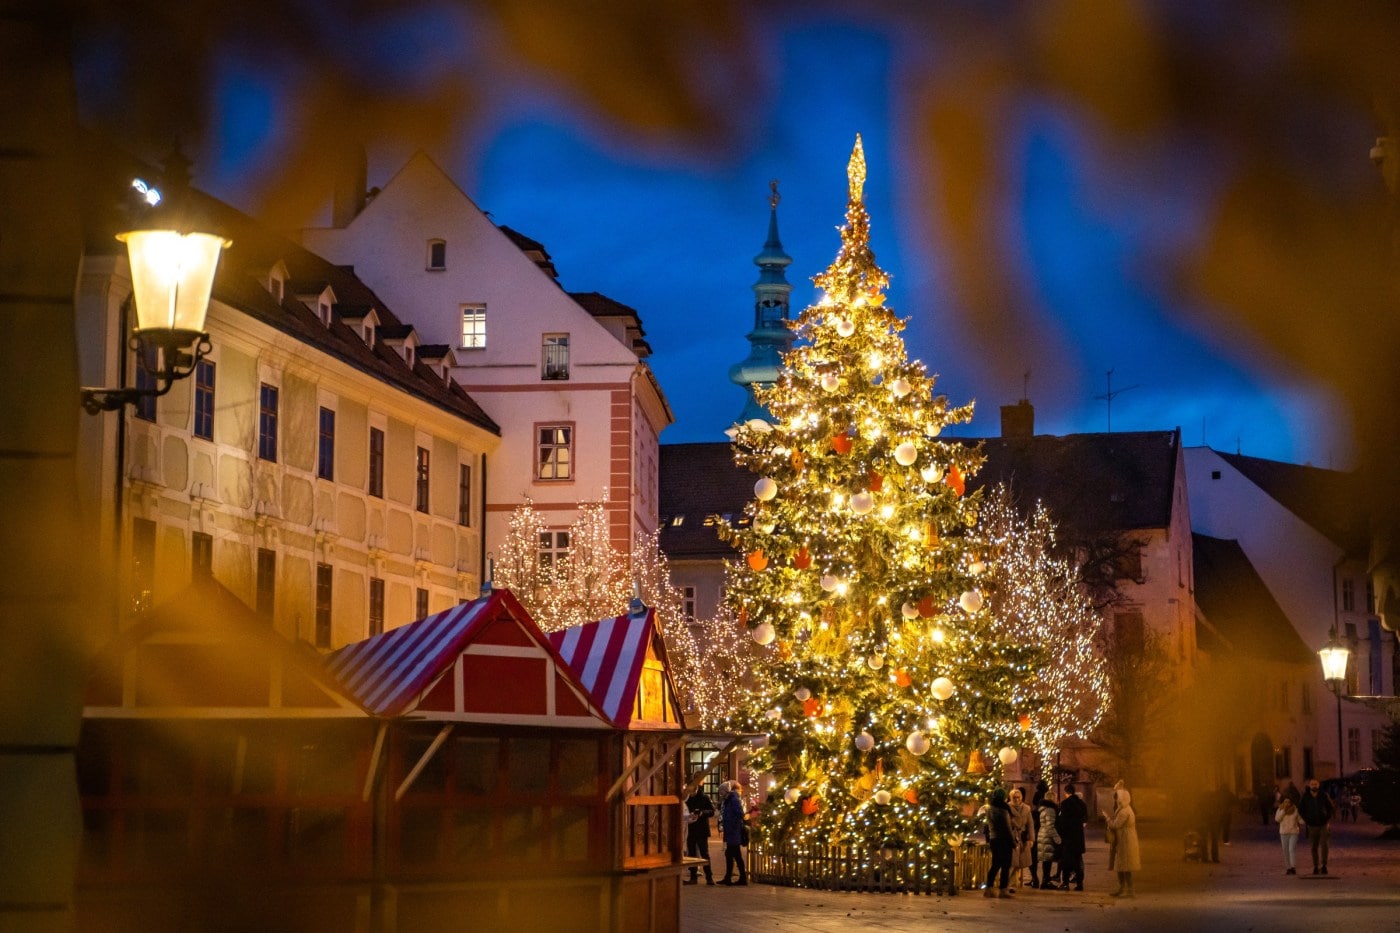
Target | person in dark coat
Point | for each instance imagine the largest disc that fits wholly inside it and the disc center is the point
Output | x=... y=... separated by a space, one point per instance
x=1225 y=810
x=1000 y=841
x=1040 y=790
x=731 y=826
x=1317 y=811
x=1070 y=824
x=697 y=833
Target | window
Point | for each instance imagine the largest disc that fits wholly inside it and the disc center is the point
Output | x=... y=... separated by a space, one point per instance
x=553 y=546
x=204 y=400
x=1283 y=762
x=1348 y=595
x=325 y=452
x=688 y=601
x=376 y=605
x=1128 y=631
x=201 y=554
x=267 y=582
x=376 y=463
x=556 y=357
x=147 y=361
x=323 y=605
x=555 y=452
x=1307 y=764
x=464 y=495
x=1353 y=745
x=421 y=603
x=473 y=327
x=437 y=255
x=422 y=493
x=143 y=563
x=267 y=423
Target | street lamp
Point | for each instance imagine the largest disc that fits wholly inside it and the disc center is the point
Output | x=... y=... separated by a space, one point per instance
x=172 y=276
x=1334 y=657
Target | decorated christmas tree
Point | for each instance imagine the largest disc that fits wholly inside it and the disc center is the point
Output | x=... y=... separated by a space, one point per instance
x=888 y=695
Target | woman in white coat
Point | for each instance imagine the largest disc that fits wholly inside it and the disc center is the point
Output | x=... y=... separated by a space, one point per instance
x=1122 y=831
x=1021 y=836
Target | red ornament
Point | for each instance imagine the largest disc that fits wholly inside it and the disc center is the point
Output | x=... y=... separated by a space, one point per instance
x=911 y=795
x=797 y=461
x=801 y=560
x=811 y=707
x=842 y=443
x=1024 y=721
x=926 y=607
x=955 y=480
x=810 y=806
x=758 y=560
x=902 y=678
x=875 y=481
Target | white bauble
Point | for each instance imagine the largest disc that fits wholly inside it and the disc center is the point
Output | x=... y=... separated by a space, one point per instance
x=830 y=583
x=765 y=489
x=971 y=601
x=932 y=473
x=977 y=568
x=876 y=661
x=917 y=743
x=862 y=503
x=1008 y=756
x=942 y=688
x=774 y=713
x=802 y=694
x=830 y=382
x=792 y=795
x=865 y=742
x=763 y=633
x=845 y=327
x=901 y=387
x=882 y=797
x=909 y=611
x=905 y=454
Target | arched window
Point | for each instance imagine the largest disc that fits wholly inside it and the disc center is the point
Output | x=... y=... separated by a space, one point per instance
x=437 y=255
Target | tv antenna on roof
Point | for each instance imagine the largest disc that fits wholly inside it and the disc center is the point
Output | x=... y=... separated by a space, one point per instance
x=1110 y=395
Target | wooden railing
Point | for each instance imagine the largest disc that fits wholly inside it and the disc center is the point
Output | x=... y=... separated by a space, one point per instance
x=847 y=868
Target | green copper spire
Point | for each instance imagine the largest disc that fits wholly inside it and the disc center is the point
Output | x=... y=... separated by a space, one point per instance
x=770 y=337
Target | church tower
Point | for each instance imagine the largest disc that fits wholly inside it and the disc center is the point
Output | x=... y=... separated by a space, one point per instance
x=770 y=336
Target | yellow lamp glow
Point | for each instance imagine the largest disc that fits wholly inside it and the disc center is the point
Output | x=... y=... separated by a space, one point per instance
x=172 y=276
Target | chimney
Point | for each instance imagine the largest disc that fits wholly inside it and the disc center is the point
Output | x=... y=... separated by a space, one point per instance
x=1018 y=420
x=351 y=180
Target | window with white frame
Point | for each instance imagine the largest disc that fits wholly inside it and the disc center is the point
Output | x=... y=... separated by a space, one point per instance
x=1348 y=595
x=688 y=601
x=554 y=457
x=555 y=357
x=554 y=544
x=473 y=326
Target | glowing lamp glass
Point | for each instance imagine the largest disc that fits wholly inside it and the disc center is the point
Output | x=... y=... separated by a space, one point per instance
x=172 y=276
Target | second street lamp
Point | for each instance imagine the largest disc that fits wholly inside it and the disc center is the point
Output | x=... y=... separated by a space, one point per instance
x=1334 y=657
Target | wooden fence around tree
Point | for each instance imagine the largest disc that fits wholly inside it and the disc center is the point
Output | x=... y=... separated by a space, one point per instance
x=889 y=870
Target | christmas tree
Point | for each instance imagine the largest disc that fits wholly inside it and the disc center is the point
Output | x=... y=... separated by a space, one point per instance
x=887 y=693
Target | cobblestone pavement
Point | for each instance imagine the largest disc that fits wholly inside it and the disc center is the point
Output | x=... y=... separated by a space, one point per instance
x=1247 y=890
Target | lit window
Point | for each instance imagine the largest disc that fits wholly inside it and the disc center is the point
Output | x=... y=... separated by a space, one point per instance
x=555 y=452
x=473 y=326
x=553 y=546
x=688 y=601
x=556 y=357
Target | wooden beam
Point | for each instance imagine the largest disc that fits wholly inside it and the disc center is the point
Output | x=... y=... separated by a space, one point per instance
x=423 y=762
x=374 y=760
x=633 y=765
x=666 y=752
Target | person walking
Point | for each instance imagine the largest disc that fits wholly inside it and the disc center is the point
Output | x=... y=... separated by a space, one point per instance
x=1069 y=824
x=1048 y=840
x=1317 y=811
x=697 y=833
x=1126 y=854
x=731 y=826
x=1290 y=823
x=1021 y=836
x=1001 y=842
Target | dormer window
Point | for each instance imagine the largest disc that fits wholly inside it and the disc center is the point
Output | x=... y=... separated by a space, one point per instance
x=437 y=255
x=408 y=354
x=277 y=282
x=323 y=311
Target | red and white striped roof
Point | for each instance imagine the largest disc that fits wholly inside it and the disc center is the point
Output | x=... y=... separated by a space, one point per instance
x=607 y=657
x=482 y=661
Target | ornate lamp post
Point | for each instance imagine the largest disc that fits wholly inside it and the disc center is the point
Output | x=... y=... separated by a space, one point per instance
x=172 y=276
x=1335 y=655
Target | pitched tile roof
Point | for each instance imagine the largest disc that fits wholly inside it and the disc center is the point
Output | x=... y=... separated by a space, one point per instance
x=601 y=306
x=1091 y=483
x=244 y=267
x=1329 y=500
x=1239 y=607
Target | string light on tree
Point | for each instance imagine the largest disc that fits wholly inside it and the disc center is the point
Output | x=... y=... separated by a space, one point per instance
x=877 y=507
